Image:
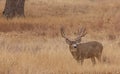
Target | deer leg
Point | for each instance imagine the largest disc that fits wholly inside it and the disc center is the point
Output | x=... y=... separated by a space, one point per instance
x=99 y=58
x=93 y=60
x=82 y=60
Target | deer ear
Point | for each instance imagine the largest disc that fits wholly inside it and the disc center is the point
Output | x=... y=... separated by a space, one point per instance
x=68 y=41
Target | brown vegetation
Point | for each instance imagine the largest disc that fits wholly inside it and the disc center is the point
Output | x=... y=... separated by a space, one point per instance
x=33 y=45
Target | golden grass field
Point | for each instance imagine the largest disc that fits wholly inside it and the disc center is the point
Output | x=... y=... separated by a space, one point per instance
x=33 y=45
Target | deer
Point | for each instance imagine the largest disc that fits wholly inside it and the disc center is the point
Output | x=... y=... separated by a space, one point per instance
x=80 y=51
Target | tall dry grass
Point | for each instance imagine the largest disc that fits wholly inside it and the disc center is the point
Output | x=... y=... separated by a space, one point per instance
x=32 y=55
x=33 y=45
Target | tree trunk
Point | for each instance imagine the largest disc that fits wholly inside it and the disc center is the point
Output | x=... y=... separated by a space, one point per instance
x=20 y=8
x=14 y=8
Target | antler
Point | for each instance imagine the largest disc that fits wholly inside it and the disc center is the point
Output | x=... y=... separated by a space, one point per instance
x=82 y=32
x=62 y=33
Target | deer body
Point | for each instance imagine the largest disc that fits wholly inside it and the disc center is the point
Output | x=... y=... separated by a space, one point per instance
x=81 y=51
x=87 y=50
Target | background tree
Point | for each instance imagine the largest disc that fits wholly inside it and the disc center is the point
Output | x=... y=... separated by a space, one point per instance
x=14 y=8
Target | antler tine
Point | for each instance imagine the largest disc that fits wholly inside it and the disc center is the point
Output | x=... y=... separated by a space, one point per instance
x=82 y=32
x=62 y=32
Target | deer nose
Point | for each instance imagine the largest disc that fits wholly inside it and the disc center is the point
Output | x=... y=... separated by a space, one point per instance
x=75 y=46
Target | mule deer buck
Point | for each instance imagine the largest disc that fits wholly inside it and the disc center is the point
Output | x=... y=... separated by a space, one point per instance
x=81 y=51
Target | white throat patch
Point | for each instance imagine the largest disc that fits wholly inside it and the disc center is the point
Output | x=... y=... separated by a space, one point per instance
x=74 y=45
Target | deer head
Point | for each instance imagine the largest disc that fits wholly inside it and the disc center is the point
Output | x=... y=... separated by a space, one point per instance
x=73 y=44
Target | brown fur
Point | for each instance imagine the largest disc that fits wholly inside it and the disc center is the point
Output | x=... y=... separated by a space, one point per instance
x=87 y=50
